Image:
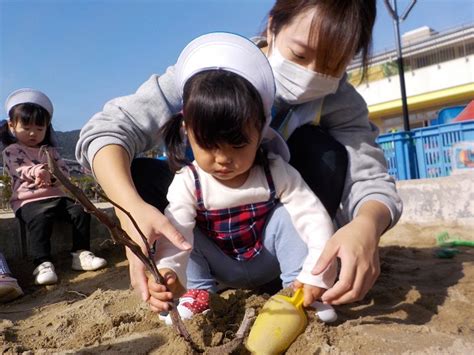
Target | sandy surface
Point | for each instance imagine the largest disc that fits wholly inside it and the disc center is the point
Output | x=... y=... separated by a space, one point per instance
x=421 y=304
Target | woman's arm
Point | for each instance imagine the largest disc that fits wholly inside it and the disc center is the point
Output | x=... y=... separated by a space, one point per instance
x=345 y=116
x=370 y=203
x=131 y=121
x=112 y=170
x=356 y=244
x=107 y=144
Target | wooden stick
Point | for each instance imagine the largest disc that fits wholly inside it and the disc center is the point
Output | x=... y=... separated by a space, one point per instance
x=121 y=237
x=118 y=235
x=232 y=345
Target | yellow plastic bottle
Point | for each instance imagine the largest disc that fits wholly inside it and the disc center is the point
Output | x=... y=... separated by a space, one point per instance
x=278 y=324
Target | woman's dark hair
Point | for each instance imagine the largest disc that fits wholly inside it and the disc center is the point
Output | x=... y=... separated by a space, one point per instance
x=27 y=113
x=219 y=107
x=341 y=28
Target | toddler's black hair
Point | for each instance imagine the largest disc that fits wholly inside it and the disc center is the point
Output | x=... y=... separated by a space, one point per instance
x=27 y=113
x=219 y=107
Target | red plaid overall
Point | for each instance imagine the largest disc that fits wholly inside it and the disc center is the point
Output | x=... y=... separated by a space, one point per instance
x=237 y=231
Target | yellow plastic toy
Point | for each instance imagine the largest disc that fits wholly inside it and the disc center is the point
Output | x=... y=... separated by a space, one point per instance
x=278 y=324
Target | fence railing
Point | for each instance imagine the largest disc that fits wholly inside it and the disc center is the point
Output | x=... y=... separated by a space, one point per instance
x=427 y=152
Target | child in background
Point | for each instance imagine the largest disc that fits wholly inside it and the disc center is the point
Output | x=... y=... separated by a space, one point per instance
x=37 y=198
x=238 y=192
x=9 y=288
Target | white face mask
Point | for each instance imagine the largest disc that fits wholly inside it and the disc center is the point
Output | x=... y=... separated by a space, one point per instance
x=295 y=84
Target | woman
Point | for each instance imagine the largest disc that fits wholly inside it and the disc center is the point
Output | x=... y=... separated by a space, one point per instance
x=311 y=42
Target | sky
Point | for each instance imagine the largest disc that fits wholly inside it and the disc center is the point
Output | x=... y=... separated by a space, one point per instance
x=82 y=53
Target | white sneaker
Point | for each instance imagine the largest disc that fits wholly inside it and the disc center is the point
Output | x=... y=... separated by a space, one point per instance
x=325 y=312
x=9 y=288
x=85 y=260
x=184 y=313
x=45 y=274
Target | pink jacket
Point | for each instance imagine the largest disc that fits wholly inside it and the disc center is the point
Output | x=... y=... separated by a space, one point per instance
x=23 y=164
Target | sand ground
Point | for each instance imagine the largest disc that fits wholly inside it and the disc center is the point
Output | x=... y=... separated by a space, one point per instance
x=421 y=304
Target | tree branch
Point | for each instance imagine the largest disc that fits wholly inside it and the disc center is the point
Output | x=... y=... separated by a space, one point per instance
x=118 y=235
x=121 y=237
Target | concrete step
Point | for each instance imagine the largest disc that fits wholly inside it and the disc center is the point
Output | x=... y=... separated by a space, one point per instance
x=14 y=242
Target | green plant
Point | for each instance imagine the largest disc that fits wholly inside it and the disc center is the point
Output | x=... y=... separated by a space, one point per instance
x=390 y=68
x=88 y=184
x=5 y=191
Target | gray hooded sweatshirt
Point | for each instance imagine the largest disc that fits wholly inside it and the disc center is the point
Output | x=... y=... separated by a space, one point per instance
x=133 y=122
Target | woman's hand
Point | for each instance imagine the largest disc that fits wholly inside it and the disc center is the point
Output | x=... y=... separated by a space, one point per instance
x=311 y=293
x=154 y=225
x=356 y=244
x=160 y=297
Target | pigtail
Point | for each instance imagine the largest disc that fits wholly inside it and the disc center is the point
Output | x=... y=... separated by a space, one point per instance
x=261 y=158
x=6 y=136
x=175 y=144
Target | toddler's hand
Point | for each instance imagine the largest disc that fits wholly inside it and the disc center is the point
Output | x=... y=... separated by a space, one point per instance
x=325 y=312
x=43 y=178
x=159 y=297
x=311 y=293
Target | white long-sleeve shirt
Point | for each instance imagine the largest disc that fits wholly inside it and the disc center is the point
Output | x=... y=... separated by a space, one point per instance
x=307 y=213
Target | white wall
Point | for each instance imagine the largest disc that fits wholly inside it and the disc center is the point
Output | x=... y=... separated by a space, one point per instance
x=428 y=79
x=445 y=200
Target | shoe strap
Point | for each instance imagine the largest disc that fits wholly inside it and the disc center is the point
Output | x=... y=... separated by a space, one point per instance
x=197 y=301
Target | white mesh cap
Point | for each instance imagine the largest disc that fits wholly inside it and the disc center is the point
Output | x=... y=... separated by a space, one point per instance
x=237 y=54
x=27 y=95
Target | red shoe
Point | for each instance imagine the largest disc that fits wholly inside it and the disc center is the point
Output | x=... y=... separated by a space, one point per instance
x=192 y=302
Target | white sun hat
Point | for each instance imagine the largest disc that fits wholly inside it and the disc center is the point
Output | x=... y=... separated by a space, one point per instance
x=31 y=96
x=237 y=54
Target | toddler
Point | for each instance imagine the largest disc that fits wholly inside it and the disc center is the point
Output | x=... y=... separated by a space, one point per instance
x=37 y=198
x=256 y=218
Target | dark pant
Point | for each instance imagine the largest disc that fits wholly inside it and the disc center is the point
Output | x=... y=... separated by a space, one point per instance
x=39 y=217
x=152 y=177
x=322 y=162
x=320 y=159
